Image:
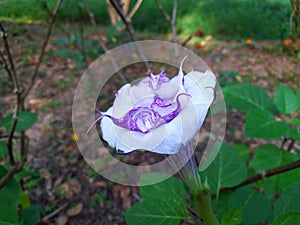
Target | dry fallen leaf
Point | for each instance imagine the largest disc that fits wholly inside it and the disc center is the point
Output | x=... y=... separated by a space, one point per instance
x=62 y=220
x=76 y=210
x=64 y=191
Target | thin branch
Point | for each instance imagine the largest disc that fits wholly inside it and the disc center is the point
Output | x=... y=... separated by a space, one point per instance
x=135 y=8
x=131 y=31
x=294 y=6
x=188 y=39
x=91 y=15
x=63 y=30
x=16 y=168
x=55 y=212
x=172 y=21
x=265 y=174
x=82 y=37
x=16 y=84
x=102 y=44
x=173 y=25
x=52 y=20
x=13 y=74
x=163 y=11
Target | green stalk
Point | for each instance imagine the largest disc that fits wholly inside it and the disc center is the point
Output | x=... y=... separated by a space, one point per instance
x=204 y=207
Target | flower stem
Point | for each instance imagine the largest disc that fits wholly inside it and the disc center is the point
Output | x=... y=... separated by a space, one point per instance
x=204 y=207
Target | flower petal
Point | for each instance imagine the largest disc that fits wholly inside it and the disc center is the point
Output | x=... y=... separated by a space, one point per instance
x=165 y=139
x=200 y=86
x=123 y=101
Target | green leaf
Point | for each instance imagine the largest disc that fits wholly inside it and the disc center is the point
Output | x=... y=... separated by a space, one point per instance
x=285 y=100
x=255 y=206
x=287 y=203
x=30 y=215
x=207 y=159
x=268 y=157
x=243 y=151
x=63 y=53
x=5 y=223
x=261 y=124
x=293 y=133
x=3 y=150
x=228 y=169
x=10 y=197
x=232 y=217
x=24 y=199
x=25 y=121
x=292 y=218
x=294 y=121
x=166 y=208
x=163 y=203
x=220 y=204
x=171 y=185
x=247 y=97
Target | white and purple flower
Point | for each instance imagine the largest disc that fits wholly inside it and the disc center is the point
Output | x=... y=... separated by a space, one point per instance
x=158 y=114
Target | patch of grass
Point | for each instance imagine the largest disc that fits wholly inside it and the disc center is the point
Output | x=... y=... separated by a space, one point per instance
x=239 y=19
x=225 y=19
x=53 y=104
x=32 y=10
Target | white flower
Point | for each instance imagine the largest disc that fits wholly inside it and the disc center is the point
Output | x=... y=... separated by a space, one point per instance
x=158 y=114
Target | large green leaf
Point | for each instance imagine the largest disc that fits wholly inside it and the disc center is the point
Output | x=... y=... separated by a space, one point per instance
x=232 y=217
x=228 y=169
x=293 y=133
x=30 y=215
x=261 y=124
x=165 y=208
x=247 y=97
x=25 y=121
x=243 y=151
x=171 y=185
x=287 y=203
x=292 y=218
x=5 y=223
x=163 y=203
x=286 y=100
x=9 y=199
x=294 y=121
x=255 y=205
x=207 y=159
x=268 y=157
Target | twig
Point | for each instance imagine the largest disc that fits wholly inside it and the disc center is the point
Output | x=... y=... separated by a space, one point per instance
x=265 y=174
x=16 y=84
x=102 y=44
x=172 y=21
x=65 y=32
x=52 y=20
x=91 y=15
x=56 y=211
x=135 y=8
x=188 y=39
x=173 y=25
x=163 y=11
x=81 y=36
x=16 y=168
x=131 y=31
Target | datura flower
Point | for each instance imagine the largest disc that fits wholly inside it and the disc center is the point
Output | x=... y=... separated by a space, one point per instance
x=158 y=114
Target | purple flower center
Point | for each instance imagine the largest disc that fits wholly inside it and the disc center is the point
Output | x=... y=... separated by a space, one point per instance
x=145 y=118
